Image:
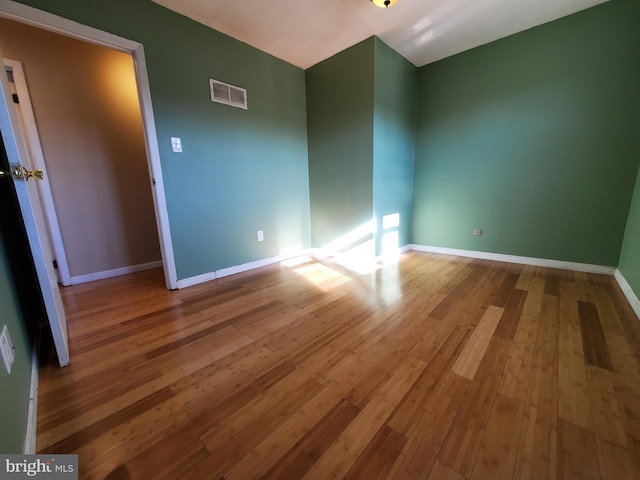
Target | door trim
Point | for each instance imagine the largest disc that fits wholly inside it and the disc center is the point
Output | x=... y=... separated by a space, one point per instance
x=47 y=21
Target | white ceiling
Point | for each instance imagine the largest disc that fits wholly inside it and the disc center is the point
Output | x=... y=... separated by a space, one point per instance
x=305 y=32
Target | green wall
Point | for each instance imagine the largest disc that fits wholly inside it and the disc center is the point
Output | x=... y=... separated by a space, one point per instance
x=14 y=387
x=394 y=128
x=534 y=139
x=630 y=255
x=17 y=304
x=361 y=110
x=340 y=129
x=240 y=171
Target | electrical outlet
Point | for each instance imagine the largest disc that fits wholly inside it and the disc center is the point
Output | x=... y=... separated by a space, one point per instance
x=260 y=235
x=7 y=348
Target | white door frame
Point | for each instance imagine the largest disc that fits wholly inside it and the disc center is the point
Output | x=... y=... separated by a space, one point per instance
x=47 y=21
x=36 y=158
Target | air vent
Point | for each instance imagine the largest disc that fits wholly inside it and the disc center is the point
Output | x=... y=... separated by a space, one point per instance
x=228 y=94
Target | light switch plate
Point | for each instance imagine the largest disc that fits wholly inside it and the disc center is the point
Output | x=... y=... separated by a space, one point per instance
x=260 y=235
x=7 y=349
x=176 y=144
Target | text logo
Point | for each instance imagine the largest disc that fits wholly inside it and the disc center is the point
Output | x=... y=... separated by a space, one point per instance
x=51 y=467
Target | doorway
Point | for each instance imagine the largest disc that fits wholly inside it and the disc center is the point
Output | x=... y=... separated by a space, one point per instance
x=95 y=190
x=42 y=20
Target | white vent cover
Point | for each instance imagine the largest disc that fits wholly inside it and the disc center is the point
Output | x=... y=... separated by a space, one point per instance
x=228 y=94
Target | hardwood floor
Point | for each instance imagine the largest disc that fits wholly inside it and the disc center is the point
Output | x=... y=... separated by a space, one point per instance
x=436 y=367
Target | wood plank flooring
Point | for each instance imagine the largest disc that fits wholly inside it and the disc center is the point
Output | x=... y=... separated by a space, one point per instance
x=434 y=367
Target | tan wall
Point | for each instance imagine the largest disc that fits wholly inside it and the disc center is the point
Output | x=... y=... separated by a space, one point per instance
x=86 y=107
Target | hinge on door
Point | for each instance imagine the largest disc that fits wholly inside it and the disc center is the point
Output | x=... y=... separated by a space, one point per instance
x=55 y=264
x=15 y=98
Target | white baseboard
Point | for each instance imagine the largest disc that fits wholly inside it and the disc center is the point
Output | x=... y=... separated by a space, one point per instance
x=190 y=281
x=406 y=248
x=538 y=262
x=29 y=447
x=541 y=262
x=324 y=253
x=403 y=249
x=225 y=272
x=92 y=277
x=628 y=292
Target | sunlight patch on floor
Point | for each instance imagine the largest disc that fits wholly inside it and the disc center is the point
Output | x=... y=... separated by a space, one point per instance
x=322 y=276
x=295 y=261
x=360 y=259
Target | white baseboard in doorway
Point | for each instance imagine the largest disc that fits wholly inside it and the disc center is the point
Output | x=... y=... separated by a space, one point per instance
x=116 y=272
x=633 y=299
x=538 y=262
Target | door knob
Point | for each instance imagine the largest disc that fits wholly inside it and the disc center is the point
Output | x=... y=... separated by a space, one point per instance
x=22 y=173
x=32 y=173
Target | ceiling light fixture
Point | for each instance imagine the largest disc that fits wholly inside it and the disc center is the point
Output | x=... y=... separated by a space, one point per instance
x=384 y=3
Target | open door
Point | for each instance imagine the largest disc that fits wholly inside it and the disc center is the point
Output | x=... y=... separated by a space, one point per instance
x=29 y=129
x=33 y=218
